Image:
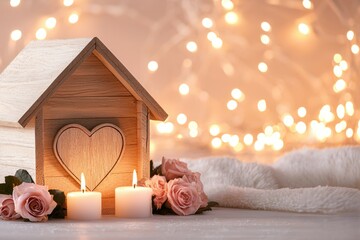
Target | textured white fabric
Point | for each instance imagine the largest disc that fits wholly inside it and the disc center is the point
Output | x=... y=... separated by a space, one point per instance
x=306 y=180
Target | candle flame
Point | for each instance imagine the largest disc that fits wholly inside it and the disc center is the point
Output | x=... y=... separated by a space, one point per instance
x=82 y=185
x=134 y=182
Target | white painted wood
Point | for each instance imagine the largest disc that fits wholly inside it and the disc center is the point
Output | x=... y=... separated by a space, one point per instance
x=31 y=73
x=17 y=150
x=221 y=223
x=41 y=67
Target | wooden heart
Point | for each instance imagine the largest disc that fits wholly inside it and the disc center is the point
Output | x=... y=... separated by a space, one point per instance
x=95 y=153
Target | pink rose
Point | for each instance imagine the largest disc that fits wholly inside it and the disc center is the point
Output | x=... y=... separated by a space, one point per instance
x=33 y=201
x=7 y=208
x=159 y=186
x=173 y=168
x=183 y=197
x=195 y=178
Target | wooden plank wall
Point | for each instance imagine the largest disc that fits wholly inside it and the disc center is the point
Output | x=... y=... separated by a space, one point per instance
x=17 y=150
x=143 y=140
x=91 y=96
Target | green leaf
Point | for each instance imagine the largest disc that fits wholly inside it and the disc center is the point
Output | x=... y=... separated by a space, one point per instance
x=151 y=168
x=59 y=197
x=10 y=183
x=3 y=188
x=24 y=176
x=58 y=213
x=154 y=171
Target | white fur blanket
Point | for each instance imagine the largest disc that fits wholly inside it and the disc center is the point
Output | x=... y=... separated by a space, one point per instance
x=307 y=180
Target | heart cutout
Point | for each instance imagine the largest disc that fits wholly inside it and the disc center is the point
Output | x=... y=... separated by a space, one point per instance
x=95 y=152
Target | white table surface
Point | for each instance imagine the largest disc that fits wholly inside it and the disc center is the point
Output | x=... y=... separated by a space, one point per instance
x=221 y=223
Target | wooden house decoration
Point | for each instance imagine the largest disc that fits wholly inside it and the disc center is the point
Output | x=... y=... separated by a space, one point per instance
x=70 y=106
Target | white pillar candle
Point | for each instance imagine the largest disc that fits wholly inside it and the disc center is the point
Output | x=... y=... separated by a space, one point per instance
x=83 y=205
x=134 y=201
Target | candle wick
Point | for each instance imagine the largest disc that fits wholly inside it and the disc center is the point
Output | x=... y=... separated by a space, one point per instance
x=82 y=190
x=134 y=185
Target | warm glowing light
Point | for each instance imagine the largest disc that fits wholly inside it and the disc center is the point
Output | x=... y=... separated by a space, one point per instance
x=324 y=133
x=350 y=35
x=278 y=145
x=214 y=130
x=238 y=94
x=325 y=114
x=268 y=130
x=355 y=49
x=300 y=127
x=193 y=125
x=226 y=137
x=50 y=23
x=15 y=3
x=340 y=111
x=261 y=105
x=16 y=35
x=152 y=147
x=231 y=18
x=259 y=146
x=349 y=133
x=265 y=39
x=307 y=4
x=301 y=112
x=184 y=89
x=217 y=43
x=68 y=3
x=341 y=126
x=191 y=46
x=211 y=36
x=193 y=133
x=73 y=18
x=239 y=147
x=344 y=65
x=288 y=120
x=82 y=183
x=232 y=105
x=181 y=118
x=265 y=26
x=41 y=34
x=248 y=139
x=261 y=136
x=134 y=178
x=167 y=127
x=207 y=23
x=337 y=57
x=339 y=85
x=304 y=28
x=216 y=142
x=262 y=67
x=153 y=66
x=314 y=124
x=227 y=4
x=337 y=71
x=349 y=107
x=234 y=140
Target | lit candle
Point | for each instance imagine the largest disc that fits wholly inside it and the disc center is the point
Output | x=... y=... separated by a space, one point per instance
x=134 y=201
x=83 y=205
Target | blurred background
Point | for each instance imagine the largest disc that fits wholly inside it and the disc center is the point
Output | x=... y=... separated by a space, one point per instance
x=251 y=79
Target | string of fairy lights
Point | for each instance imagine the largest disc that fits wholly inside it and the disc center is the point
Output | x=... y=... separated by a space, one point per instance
x=333 y=123
x=330 y=121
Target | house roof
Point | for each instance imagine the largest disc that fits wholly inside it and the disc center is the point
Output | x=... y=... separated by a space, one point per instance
x=36 y=72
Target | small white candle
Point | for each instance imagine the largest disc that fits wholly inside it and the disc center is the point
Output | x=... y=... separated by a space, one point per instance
x=83 y=205
x=134 y=201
